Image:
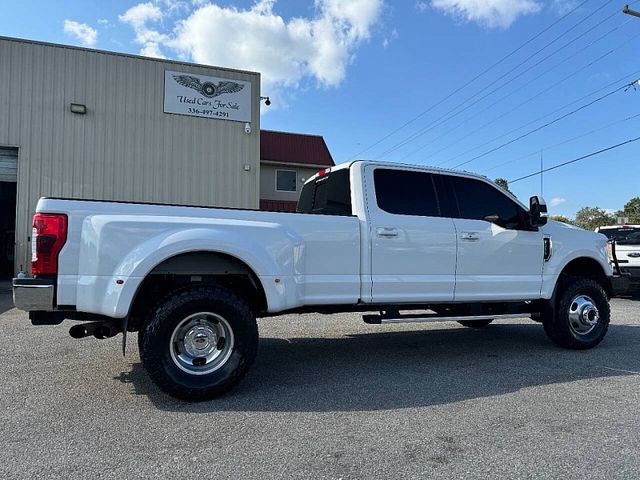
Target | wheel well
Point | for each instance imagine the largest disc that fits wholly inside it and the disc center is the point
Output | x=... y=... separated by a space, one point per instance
x=196 y=268
x=586 y=267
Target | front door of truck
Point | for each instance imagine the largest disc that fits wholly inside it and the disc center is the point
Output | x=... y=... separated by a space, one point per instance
x=499 y=256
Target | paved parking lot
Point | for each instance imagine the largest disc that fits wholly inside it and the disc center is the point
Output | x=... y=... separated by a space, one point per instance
x=330 y=397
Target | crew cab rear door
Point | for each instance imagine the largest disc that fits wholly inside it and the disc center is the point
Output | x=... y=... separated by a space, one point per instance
x=500 y=257
x=413 y=248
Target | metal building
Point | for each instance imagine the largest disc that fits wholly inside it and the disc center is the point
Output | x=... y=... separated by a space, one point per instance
x=83 y=123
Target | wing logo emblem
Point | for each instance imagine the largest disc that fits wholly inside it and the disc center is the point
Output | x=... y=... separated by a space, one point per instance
x=208 y=89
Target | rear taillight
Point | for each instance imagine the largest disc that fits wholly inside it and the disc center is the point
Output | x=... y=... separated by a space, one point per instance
x=49 y=236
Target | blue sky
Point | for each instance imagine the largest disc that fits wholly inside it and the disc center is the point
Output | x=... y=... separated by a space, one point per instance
x=356 y=70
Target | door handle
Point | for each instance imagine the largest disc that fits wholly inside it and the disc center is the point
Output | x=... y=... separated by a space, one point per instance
x=387 y=232
x=470 y=236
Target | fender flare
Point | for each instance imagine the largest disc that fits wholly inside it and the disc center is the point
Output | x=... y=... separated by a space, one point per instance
x=136 y=266
x=578 y=255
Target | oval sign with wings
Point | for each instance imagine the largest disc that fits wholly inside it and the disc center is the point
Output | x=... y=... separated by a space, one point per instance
x=205 y=96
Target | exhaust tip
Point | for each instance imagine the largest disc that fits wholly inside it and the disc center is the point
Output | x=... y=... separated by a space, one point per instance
x=103 y=331
x=99 y=330
x=79 y=331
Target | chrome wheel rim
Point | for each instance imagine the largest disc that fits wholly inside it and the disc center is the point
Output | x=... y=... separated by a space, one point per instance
x=201 y=343
x=583 y=315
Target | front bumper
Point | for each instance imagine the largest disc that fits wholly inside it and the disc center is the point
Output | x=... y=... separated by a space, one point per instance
x=632 y=273
x=33 y=294
x=619 y=284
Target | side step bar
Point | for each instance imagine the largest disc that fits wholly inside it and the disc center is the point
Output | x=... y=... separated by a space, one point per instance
x=381 y=319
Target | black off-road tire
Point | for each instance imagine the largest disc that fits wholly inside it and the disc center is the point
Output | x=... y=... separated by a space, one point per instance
x=558 y=327
x=157 y=331
x=475 y=323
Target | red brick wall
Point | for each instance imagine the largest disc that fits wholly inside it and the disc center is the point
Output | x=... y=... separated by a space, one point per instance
x=278 y=205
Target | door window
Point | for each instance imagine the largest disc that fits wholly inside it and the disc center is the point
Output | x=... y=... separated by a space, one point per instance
x=404 y=192
x=478 y=200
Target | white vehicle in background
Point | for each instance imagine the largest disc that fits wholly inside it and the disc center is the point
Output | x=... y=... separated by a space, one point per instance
x=369 y=237
x=627 y=249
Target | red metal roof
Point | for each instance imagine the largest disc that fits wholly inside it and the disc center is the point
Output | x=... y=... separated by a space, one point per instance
x=301 y=148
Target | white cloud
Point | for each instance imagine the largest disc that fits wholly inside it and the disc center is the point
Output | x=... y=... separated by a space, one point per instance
x=177 y=5
x=488 y=13
x=390 y=38
x=140 y=17
x=562 y=7
x=422 y=6
x=285 y=51
x=151 y=49
x=555 y=201
x=105 y=24
x=82 y=32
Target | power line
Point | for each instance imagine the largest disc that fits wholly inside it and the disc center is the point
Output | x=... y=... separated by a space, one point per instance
x=564 y=142
x=575 y=160
x=540 y=118
x=555 y=120
x=435 y=123
x=594 y=92
x=441 y=120
x=486 y=124
x=459 y=89
x=501 y=99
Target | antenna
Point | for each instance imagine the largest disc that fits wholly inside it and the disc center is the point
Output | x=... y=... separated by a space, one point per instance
x=541 y=173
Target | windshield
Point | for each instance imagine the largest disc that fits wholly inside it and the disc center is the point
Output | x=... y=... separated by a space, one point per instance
x=623 y=235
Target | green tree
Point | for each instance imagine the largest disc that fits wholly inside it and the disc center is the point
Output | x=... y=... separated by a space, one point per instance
x=562 y=218
x=503 y=183
x=632 y=210
x=591 y=218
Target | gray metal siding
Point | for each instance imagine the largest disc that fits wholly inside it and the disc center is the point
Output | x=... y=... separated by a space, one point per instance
x=125 y=147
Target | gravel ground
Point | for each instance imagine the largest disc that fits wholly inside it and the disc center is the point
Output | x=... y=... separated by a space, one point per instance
x=330 y=397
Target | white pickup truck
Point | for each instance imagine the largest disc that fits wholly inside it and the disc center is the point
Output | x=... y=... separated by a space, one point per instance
x=627 y=249
x=404 y=243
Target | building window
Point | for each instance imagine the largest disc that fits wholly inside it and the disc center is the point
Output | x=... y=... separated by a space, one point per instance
x=286 y=180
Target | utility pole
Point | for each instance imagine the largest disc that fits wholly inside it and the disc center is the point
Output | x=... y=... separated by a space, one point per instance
x=628 y=11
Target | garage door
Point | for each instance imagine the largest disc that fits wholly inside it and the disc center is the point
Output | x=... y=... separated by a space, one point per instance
x=8 y=164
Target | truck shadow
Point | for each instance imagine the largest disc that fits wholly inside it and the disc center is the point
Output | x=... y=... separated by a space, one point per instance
x=6 y=298
x=391 y=370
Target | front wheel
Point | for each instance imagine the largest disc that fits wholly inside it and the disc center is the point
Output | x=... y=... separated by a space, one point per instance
x=581 y=317
x=199 y=343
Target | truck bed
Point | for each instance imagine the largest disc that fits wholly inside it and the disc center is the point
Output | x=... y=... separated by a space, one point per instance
x=316 y=258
